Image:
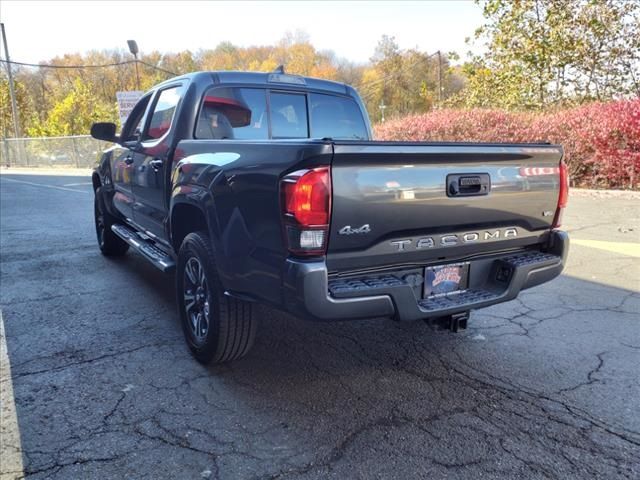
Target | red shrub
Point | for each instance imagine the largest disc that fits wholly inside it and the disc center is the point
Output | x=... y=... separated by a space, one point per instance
x=601 y=141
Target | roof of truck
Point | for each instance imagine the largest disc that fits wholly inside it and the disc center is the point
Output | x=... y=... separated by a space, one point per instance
x=263 y=78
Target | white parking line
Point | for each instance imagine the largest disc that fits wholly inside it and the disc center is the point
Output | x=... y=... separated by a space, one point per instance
x=40 y=171
x=632 y=249
x=11 y=466
x=55 y=187
x=76 y=184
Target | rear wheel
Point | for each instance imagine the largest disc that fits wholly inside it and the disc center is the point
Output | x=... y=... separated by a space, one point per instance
x=217 y=328
x=110 y=244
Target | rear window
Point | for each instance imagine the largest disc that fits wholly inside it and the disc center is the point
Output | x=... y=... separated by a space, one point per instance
x=233 y=113
x=336 y=117
x=289 y=115
x=241 y=113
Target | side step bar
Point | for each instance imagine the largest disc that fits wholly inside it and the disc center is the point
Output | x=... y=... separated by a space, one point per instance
x=158 y=257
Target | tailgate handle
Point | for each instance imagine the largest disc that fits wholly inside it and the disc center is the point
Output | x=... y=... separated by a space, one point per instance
x=468 y=184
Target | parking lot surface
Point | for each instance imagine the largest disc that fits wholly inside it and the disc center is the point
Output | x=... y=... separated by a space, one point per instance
x=546 y=386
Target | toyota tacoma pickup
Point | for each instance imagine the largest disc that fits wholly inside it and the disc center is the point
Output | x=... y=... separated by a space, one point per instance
x=268 y=187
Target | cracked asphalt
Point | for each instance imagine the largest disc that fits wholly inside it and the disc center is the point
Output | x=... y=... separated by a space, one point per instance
x=546 y=386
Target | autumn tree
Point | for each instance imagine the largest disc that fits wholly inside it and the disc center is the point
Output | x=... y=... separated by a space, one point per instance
x=75 y=113
x=23 y=103
x=406 y=81
x=547 y=52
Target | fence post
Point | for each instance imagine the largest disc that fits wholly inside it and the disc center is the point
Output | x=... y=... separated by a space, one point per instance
x=5 y=146
x=76 y=154
x=22 y=152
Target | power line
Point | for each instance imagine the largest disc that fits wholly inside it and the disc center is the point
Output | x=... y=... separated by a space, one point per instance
x=80 y=67
x=377 y=81
x=150 y=65
x=43 y=65
x=392 y=74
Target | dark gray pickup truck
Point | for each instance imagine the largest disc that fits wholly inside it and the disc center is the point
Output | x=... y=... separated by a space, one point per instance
x=267 y=187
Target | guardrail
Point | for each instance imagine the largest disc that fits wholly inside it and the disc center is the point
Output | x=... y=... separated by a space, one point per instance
x=80 y=151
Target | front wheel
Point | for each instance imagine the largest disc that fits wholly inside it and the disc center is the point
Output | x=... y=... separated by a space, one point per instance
x=217 y=328
x=110 y=244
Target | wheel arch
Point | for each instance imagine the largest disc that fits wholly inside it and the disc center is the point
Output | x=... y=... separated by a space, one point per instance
x=95 y=180
x=185 y=218
x=190 y=215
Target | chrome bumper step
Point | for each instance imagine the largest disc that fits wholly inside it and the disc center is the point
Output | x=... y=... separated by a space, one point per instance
x=457 y=299
x=498 y=278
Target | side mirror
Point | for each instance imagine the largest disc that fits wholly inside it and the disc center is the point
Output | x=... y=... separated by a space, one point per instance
x=104 y=131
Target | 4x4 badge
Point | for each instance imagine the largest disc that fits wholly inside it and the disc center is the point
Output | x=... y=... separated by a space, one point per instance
x=347 y=230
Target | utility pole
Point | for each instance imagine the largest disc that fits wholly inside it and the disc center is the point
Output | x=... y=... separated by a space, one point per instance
x=137 y=74
x=382 y=107
x=439 y=78
x=439 y=54
x=133 y=48
x=12 y=91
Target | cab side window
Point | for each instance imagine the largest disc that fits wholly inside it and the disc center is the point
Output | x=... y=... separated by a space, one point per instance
x=163 y=113
x=233 y=113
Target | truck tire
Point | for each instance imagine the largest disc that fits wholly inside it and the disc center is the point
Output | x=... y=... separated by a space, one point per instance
x=217 y=328
x=110 y=244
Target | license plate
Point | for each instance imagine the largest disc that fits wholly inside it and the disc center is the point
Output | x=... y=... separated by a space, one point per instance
x=445 y=279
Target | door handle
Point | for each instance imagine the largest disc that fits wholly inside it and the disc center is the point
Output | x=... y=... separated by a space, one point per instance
x=128 y=160
x=156 y=164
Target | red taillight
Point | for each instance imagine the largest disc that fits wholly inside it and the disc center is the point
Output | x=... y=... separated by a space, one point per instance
x=563 y=195
x=306 y=200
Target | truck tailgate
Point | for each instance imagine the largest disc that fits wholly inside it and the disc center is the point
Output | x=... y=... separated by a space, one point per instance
x=396 y=202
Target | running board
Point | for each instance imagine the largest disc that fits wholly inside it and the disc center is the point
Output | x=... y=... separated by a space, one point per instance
x=158 y=257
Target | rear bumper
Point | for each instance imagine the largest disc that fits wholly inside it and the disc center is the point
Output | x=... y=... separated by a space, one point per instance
x=310 y=293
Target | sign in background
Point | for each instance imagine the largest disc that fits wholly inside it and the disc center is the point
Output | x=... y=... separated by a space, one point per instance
x=126 y=102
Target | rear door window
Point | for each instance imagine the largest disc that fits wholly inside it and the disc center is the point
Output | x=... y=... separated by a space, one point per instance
x=233 y=113
x=163 y=112
x=336 y=117
x=289 y=115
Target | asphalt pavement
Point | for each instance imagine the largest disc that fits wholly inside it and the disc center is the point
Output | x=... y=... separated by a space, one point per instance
x=101 y=384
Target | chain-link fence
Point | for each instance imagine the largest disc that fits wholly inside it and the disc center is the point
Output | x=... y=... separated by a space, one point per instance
x=79 y=151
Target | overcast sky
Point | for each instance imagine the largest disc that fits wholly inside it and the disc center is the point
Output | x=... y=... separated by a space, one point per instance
x=38 y=31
